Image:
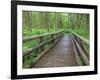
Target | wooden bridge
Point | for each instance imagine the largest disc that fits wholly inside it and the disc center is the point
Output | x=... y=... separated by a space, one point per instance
x=64 y=50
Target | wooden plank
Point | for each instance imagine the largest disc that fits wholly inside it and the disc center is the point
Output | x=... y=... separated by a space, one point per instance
x=61 y=55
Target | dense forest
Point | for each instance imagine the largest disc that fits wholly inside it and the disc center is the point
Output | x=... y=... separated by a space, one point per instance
x=43 y=22
x=35 y=23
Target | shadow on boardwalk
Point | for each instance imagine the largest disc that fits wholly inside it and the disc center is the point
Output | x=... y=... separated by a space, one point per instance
x=61 y=55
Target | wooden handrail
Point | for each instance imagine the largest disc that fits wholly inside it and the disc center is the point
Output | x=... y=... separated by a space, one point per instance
x=80 y=51
x=41 y=44
x=38 y=36
x=82 y=54
x=86 y=41
x=38 y=46
x=54 y=38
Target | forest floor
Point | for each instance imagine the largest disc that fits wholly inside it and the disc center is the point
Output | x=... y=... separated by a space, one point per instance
x=60 y=55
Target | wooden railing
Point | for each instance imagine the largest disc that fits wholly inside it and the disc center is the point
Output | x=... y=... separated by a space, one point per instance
x=44 y=39
x=81 y=49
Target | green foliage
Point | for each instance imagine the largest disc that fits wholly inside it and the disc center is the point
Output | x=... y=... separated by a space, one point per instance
x=29 y=44
x=34 y=32
x=83 y=33
x=32 y=43
x=29 y=59
x=37 y=31
x=36 y=23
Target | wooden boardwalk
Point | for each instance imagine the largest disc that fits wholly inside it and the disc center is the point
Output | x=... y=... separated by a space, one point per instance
x=61 y=55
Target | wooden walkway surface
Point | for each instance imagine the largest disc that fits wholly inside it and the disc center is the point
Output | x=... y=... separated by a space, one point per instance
x=61 y=55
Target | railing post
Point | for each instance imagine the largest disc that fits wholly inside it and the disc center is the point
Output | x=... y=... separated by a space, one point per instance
x=52 y=36
x=42 y=47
